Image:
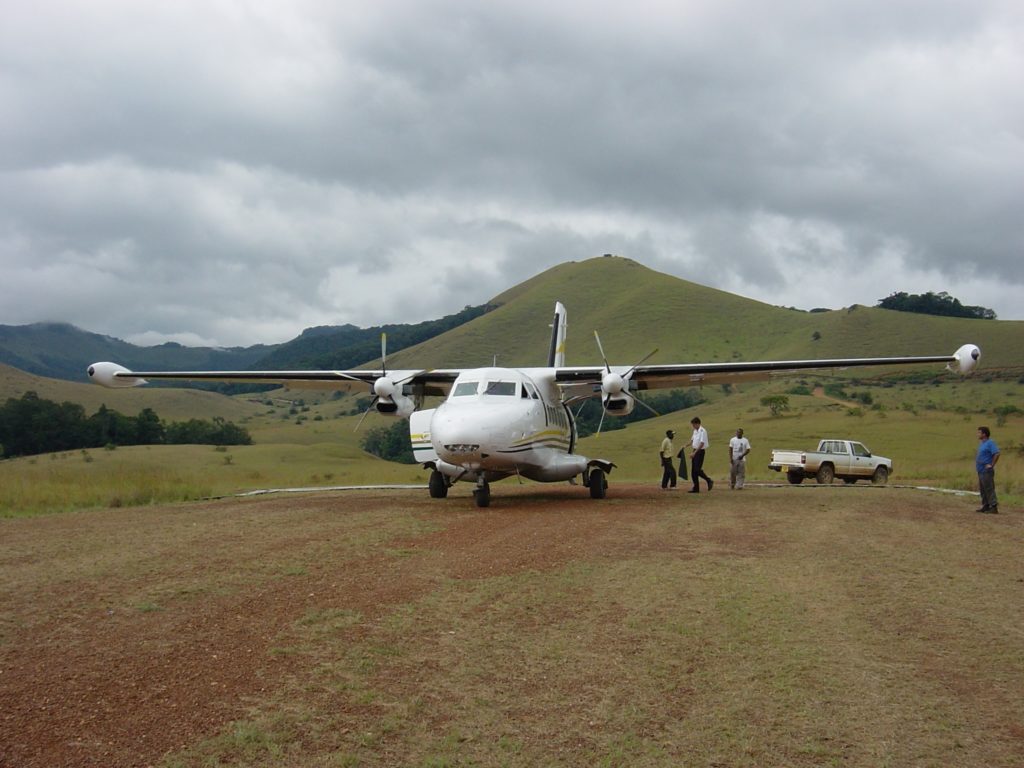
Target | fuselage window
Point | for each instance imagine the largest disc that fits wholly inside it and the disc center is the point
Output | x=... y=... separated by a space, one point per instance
x=464 y=388
x=503 y=388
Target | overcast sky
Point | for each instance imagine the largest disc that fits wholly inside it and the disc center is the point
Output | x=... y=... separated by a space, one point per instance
x=229 y=173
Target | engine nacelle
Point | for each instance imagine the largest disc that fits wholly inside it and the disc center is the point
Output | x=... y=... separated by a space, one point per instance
x=396 y=405
x=615 y=395
x=620 y=405
x=103 y=374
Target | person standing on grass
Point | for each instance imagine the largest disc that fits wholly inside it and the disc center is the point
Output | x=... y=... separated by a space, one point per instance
x=668 y=475
x=985 y=462
x=739 y=447
x=698 y=447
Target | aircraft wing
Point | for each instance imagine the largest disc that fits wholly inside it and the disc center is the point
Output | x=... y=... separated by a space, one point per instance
x=642 y=377
x=431 y=382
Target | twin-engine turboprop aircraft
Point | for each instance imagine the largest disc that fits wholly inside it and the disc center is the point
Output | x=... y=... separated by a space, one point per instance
x=498 y=422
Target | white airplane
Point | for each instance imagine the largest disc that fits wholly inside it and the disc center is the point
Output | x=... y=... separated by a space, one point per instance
x=499 y=422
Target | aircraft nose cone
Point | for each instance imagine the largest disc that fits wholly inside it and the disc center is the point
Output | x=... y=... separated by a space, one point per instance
x=457 y=438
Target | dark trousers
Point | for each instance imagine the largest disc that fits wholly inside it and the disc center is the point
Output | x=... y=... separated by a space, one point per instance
x=668 y=476
x=697 y=470
x=987 y=486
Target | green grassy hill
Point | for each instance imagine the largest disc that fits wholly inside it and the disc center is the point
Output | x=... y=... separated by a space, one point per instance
x=636 y=309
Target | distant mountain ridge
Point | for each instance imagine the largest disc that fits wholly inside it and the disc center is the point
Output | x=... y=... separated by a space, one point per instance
x=635 y=309
x=63 y=351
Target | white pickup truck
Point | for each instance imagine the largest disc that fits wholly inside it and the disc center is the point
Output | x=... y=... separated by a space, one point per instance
x=845 y=459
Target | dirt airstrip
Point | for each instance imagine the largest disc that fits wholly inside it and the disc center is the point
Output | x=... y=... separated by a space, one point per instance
x=134 y=636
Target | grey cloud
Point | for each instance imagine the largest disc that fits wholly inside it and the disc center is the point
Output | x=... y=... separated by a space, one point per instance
x=223 y=168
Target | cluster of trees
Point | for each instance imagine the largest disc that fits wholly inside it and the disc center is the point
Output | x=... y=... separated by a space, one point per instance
x=31 y=425
x=390 y=443
x=934 y=304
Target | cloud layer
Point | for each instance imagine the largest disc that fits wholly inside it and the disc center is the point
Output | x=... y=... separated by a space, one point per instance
x=231 y=172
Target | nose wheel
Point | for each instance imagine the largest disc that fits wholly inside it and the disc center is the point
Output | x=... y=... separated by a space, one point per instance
x=482 y=494
x=438 y=485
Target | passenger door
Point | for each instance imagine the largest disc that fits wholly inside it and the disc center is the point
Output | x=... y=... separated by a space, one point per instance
x=862 y=464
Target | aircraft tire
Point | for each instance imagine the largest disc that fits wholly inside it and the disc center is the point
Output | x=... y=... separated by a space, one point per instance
x=598 y=484
x=482 y=495
x=438 y=485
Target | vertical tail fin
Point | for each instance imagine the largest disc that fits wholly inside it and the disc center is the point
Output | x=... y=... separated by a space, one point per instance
x=556 y=354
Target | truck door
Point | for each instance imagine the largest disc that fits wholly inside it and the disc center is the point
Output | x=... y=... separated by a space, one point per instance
x=861 y=461
x=842 y=457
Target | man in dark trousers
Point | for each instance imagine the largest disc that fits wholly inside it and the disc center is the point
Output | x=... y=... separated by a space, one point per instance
x=668 y=475
x=698 y=447
x=985 y=462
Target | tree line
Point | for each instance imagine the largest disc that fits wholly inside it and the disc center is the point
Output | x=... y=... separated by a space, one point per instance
x=934 y=304
x=31 y=425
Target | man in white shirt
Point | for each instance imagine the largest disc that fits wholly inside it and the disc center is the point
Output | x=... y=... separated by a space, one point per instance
x=739 y=447
x=698 y=447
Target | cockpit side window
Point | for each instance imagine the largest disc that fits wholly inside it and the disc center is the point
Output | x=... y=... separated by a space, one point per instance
x=504 y=388
x=464 y=388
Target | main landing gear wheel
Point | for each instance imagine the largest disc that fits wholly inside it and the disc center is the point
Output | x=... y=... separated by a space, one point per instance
x=482 y=494
x=598 y=484
x=438 y=485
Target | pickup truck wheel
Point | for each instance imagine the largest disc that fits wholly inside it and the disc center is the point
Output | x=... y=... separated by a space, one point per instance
x=795 y=478
x=881 y=476
x=826 y=474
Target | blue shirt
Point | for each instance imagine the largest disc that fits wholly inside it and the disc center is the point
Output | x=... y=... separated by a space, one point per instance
x=986 y=452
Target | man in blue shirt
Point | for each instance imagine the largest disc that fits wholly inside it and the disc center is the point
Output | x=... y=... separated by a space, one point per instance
x=985 y=463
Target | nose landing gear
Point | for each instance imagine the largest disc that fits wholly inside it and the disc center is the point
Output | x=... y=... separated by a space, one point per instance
x=438 y=485
x=482 y=493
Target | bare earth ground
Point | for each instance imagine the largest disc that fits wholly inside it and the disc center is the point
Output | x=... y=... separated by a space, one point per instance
x=777 y=626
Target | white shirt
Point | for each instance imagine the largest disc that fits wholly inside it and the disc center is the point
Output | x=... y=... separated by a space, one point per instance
x=700 y=435
x=739 y=447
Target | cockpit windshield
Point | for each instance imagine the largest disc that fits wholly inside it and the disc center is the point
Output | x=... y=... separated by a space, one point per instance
x=464 y=388
x=505 y=388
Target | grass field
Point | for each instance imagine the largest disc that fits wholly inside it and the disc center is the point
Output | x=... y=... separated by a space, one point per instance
x=774 y=627
x=927 y=430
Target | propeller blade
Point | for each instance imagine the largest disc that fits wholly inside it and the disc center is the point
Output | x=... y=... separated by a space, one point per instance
x=600 y=422
x=384 y=353
x=645 y=405
x=647 y=357
x=601 y=350
x=366 y=413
